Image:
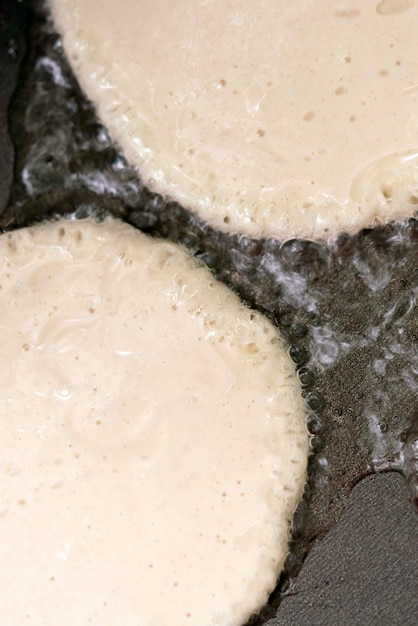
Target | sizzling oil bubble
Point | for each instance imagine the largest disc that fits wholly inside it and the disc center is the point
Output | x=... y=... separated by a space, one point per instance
x=306 y=377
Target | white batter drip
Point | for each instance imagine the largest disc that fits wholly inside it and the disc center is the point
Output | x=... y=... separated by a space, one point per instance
x=153 y=446
x=267 y=118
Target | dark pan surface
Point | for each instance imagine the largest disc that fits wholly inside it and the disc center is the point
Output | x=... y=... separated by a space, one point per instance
x=13 y=35
x=346 y=308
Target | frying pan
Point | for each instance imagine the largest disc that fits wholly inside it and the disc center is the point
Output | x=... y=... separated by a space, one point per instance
x=347 y=309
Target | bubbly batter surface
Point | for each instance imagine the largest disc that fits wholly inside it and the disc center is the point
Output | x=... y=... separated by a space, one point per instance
x=153 y=446
x=267 y=118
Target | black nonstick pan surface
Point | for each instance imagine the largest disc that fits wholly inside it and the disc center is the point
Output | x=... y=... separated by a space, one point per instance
x=347 y=309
